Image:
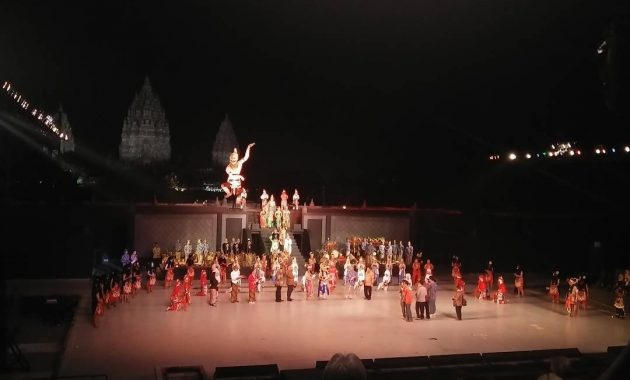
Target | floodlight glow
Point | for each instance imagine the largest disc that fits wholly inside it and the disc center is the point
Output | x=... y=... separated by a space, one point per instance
x=512 y=156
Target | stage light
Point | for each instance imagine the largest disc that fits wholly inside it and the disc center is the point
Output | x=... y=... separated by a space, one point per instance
x=571 y=153
x=512 y=156
x=627 y=149
x=613 y=150
x=579 y=152
x=528 y=156
x=343 y=207
x=597 y=151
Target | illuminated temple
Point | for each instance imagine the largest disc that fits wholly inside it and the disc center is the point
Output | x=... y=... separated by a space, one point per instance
x=145 y=135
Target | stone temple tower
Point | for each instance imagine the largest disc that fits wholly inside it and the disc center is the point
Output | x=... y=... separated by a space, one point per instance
x=145 y=135
x=224 y=143
x=66 y=144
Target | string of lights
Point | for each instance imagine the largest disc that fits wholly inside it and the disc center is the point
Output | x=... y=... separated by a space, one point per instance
x=562 y=150
x=41 y=116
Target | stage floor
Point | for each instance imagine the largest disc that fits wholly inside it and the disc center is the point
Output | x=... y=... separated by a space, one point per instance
x=135 y=338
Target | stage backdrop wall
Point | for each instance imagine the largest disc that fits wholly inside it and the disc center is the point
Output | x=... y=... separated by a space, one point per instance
x=167 y=228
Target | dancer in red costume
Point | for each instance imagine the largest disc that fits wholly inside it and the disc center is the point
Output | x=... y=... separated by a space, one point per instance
x=570 y=302
x=416 y=271
x=481 y=291
x=176 y=297
x=152 y=279
x=187 y=300
x=284 y=200
x=114 y=298
x=204 y=283
x=554 y=292
x=500 y=296
x=582 y=295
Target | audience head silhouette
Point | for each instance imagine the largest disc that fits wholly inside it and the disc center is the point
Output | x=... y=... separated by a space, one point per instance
x=344 y=367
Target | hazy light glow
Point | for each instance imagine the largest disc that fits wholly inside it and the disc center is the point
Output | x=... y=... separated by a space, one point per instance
x=46 y=119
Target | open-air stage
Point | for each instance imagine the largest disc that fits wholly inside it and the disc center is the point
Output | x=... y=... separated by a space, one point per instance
x=137 y=337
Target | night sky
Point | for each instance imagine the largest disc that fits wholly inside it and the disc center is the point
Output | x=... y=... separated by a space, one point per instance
x=339 y=91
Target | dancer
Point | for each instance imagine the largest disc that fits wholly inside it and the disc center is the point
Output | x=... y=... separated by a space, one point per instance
x=215 y=278
x=432 y=289
x=387 y=277
x=203 y=291
x=98 y=300
x=152 y=279
x=309 y=281
x=233 y=185
x=570 y=301
x=401 y=271
x=252 y=283
x=481 y=292
x=187 y=299
x=455 y=269
x=407 y=299
x=582 y=296
x=176 y=297
x=368 y=283
x=243 y=201
x=235 y=278
x=519 y=281
x=428 y=269
x=620 y=310
x=500 y=295
x=323 y=290
x=296 y=200
x=459 y=301
x=351 y=282
x=422 y=304
x=554 y=292
x=115 y=293
x=264 y=198
x=284 y=200
x=279 y=281
x=416 y=270
x=489 y=276
x=290 y=280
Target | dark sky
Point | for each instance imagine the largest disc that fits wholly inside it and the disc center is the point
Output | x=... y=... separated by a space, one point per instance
x=353 y=89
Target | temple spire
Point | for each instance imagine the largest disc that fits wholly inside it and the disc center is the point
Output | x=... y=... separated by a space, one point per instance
x=66 y=143
x=224 y=143
x=145 y=135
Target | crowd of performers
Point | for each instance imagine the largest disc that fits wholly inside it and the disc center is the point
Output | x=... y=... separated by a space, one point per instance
x=277 y=216
x=320 y=280
x=575 y=299
x=113 y=288
x=322 y=277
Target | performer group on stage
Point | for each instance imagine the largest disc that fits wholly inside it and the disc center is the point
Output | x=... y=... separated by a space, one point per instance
x=358 y=266
x=321 y=276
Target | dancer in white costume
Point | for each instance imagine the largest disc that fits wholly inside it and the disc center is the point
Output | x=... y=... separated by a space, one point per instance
x=233 y=185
